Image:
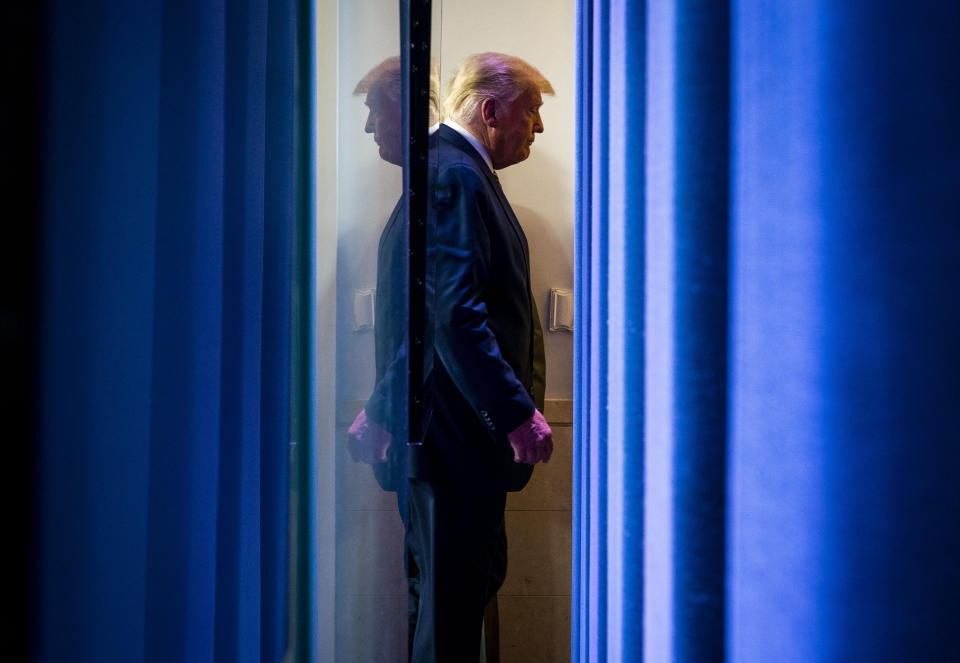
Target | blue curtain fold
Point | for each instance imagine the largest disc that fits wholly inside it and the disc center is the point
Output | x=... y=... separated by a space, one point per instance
x=651 y=367
x=768 y=204
x=844 y=489
x=609 y=362
x=280 y=219
x=697 y=225
x=166 y=352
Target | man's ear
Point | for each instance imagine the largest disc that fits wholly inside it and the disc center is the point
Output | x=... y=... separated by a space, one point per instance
x=488 y=111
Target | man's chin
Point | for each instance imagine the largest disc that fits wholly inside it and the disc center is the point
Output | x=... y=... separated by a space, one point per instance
x=389 y=157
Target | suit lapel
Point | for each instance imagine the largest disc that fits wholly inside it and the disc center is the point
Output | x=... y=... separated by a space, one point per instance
x=463 y=145
x=517 y=228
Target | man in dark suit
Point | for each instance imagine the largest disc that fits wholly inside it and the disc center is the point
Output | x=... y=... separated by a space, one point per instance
x=379 y=434
x=487 y=429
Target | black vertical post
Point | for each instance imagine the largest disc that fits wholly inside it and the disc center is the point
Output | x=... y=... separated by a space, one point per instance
x=415 y=68
x=19 y=173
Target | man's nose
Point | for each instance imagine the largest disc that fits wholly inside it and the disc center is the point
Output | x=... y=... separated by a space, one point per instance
x=369 y=127
x=538 y=124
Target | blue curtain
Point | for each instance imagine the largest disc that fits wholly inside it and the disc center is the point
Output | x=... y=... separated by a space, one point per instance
x=165 y=355
x=768 y=251
x=609 y=361
x=844 y=453
x=652 y=361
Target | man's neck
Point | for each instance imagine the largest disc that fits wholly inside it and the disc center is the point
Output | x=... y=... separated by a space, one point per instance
x=477 y=138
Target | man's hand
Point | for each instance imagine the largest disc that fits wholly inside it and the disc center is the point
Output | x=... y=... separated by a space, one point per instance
x=532 y=441
x=367 y=442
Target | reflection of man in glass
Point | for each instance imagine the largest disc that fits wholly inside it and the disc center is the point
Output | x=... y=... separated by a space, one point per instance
x=486 y=430
x=378 y=434
x=382 y=87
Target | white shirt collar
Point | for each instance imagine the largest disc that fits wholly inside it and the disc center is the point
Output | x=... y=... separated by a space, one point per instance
x=477 y=145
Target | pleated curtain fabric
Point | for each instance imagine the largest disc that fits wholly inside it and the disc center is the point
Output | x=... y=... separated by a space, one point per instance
x=651 y=363
x=768 y=251
x=844 y=454
x=165 y=357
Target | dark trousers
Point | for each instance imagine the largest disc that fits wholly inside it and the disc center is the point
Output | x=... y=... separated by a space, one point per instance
x=457 y=560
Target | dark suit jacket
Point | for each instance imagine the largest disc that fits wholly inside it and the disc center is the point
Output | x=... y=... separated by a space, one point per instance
x=487 y=333
x=388 y=405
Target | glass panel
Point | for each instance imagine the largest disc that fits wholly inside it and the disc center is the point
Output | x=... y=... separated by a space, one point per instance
x=514 y=251
x=371 y=320
x=373 y=315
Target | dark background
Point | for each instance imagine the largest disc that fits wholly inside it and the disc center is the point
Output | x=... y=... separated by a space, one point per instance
x=21 y=56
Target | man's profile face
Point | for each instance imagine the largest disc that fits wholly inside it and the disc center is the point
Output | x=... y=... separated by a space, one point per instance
x=518 y=122
x=383 y=121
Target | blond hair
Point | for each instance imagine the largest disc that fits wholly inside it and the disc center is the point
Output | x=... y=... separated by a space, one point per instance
x=385 y=78
x=484 y=75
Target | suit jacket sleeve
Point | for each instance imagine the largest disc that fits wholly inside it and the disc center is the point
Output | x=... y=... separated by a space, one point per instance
x=464 y=341
x=387 y=404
